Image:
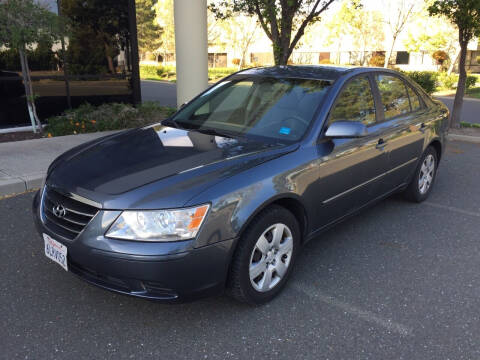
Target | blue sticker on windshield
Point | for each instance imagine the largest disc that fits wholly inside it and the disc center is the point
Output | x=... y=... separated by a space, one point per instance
x=284 y=130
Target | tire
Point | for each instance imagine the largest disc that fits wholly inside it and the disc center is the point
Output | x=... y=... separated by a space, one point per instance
x=258 y=252
x=417 y=190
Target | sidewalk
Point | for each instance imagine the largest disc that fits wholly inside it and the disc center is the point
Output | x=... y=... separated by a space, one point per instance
x=23 y=164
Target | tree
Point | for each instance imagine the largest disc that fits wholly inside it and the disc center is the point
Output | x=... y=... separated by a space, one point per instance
x=240 y=32
x=360 y=24
x=337 y=27
x=432 y=34
x=465 y=14
x=396 y=21
x=148 y=31
x=24 y=24
x=102 y=22
x=364 y=29
x=164 y=18
x=283 y=21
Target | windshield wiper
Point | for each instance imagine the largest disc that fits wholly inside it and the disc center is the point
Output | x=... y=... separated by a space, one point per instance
x=170 y=122
x=216 y=132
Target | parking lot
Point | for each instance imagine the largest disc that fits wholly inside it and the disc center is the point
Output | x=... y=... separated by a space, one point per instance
x=400 y=280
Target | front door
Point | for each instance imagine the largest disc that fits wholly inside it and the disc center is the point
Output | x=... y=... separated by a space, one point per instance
x=348 y=175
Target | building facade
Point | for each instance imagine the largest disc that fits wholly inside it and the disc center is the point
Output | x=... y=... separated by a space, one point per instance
x=96 y=62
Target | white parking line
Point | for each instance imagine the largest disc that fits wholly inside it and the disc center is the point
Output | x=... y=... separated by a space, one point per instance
x=362 y=314
x=451 y=208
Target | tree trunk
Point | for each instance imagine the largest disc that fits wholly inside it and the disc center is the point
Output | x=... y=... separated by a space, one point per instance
x=281 y=53
x=64 y=59
x=452 y=65
x=458 y=103
x=27 y=83
x=65 y=74
x=389 y=53
x=111 y=68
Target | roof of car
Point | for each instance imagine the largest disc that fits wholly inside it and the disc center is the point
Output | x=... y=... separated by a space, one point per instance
x=304 y=71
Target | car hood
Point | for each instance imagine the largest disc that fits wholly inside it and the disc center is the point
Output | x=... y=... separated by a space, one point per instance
x=155 y=164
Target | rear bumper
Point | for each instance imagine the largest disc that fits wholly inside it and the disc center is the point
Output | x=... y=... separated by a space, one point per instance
x=169 y=272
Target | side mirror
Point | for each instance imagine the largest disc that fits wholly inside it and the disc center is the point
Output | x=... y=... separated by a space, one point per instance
x=346 y=129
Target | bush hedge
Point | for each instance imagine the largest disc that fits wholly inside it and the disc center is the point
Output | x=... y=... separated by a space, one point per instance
x=160 y=72
x=431 y=81
x=114 y=116
x=426 y=79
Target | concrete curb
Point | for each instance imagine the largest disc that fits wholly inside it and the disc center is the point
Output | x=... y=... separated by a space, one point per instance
x=18 y=185
x=23 y=164
x=467 y=138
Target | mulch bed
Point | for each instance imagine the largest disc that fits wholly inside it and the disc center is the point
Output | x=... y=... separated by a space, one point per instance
x=19 y=136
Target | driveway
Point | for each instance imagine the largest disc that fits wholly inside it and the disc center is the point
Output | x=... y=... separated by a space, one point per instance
x=161 y=91
x=399 y=281
x=165 y=94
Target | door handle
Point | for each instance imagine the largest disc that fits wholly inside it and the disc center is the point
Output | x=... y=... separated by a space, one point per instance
x=380 y=145
x=422 y=127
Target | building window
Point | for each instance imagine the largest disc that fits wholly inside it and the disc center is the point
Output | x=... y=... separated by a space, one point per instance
x=403 y=58
x=474 y=57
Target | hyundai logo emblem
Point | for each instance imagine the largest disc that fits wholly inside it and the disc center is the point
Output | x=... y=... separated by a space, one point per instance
x=59 y=211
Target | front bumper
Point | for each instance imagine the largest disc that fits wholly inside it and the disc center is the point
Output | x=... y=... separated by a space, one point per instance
x=170 y=272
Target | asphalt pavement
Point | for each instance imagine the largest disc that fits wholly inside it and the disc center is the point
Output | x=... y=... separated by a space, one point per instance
x=399 y=281
x=165 y=93
x=470 y=108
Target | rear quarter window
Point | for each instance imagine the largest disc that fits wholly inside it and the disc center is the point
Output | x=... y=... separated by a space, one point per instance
x=393 y=93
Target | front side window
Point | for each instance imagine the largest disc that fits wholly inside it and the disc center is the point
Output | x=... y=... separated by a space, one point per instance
x=393 y=93
x=267 y=107
x=355 y=103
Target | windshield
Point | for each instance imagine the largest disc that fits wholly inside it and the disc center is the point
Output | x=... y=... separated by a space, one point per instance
x=279 y=109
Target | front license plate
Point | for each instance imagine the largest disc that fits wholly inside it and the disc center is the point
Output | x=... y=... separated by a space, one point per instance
x=56 y=251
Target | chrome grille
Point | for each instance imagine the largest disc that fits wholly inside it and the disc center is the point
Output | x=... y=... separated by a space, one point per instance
x=77 y=214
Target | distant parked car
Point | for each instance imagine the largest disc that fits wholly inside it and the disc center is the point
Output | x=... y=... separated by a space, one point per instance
x=223 y=194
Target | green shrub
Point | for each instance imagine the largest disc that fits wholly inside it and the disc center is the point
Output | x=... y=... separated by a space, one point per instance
x=426 y=79
x=447 y=81
x=148 y=71
x=218 y=73
x=471 y=81
x=114 y=116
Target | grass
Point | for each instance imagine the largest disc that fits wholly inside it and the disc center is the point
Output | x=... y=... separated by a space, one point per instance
x=113 y=116
x=168 y=73
x=469 y=125
x=473 y=92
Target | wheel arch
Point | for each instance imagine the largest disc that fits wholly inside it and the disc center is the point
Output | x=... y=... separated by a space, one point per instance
x=437 y=145
x=292 y=203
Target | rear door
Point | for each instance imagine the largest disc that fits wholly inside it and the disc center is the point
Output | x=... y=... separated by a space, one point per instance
x=349 y=174
x=403 y=127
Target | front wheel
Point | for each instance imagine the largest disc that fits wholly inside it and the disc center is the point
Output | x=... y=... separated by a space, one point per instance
x=264 y=257
x=422 y=182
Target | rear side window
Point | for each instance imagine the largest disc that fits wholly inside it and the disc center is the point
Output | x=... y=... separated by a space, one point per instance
x=393 y=93
x=414 y=99
x=355 y=103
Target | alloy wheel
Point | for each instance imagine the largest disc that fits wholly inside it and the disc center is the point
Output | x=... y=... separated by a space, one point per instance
x=427 y=171
x=271 y=257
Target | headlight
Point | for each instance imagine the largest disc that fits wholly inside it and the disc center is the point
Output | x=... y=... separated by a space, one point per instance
x=158 y=225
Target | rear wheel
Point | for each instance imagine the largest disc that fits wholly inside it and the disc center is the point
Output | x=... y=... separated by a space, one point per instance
x=422 y=182
x=264 y=257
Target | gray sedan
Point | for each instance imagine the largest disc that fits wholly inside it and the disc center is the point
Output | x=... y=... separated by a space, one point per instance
x=223 y=194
